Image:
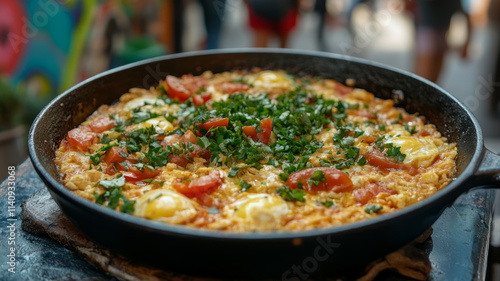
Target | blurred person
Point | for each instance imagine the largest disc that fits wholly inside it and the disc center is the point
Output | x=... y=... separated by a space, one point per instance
x=320 y=8
x=350 y=22
x=272 y=17
x=213 y=13
x=433 y=19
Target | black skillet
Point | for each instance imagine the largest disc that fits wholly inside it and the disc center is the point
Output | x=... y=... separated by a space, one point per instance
x=286 y=255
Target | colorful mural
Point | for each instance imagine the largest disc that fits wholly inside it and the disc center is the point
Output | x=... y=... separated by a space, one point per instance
x=49 y=45
x=41 y=41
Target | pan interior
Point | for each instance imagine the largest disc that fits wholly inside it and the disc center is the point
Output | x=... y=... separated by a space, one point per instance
x=409 y=91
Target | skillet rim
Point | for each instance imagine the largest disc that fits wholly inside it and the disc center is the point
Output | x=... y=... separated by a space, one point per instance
x=444 y=194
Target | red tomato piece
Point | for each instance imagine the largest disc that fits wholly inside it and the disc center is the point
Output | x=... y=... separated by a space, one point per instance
x=182 y=161
x=114 y=155
x=189 y=136
x=250 y=131
x=378 y=159
x=133 y=174
x=342 y=90
x=231 y=88
x=214 y=123
x=365 y=194
x=206 y=96
x=193 y=83
x=102 y=124
x=176 y=89
x=335 y=180
x=267 y=127
x=81 y=138
x=198 y=100
x=194 y=187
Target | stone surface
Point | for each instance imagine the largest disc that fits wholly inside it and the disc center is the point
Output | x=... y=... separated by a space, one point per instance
x=37 y=258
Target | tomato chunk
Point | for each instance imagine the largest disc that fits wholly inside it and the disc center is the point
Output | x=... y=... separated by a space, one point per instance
x=194 y=187
x=335 y=180
x=81 y=138
x=214 y=123
x=102 y=124
x=189 y=136
x=133 y=174
x=176 y=89
x=114 y=155
x=365 y=194
x=231 y=88
x=342 y=90
x=267 y=127
x=193 y=83
x=198 y=100
x=378 y=159
x=250 y=131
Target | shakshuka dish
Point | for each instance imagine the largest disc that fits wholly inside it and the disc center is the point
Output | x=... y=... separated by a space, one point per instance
x=254 y=151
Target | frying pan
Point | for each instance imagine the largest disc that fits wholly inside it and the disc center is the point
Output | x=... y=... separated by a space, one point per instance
x=285 y=255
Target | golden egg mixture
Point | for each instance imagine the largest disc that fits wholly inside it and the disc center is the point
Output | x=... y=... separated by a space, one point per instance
x=258 y=150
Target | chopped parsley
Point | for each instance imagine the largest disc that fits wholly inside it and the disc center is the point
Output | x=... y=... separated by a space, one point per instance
x=317 y=177
x=328 y=203
x=372 y=208
x=291 y=194
x=245 y=186
x=113 y=195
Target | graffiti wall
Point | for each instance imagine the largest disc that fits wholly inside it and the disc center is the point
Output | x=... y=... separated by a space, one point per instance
x=51 y=44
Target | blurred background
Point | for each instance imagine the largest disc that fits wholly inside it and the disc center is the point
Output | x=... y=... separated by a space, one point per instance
x=47 y=46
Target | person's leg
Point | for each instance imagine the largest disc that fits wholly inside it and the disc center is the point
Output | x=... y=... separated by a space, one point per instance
x=261 y=38
x=213 y=12
x=283 y=38
x=178 y=20
x=320 y=8
x=430 y=52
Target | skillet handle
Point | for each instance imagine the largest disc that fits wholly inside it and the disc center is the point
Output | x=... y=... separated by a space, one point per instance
x=488 y=172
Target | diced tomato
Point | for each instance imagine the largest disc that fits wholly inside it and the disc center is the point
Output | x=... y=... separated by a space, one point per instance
x=378 y=159
x=176 y=89
x=362 y=195
x=133 y=174
x=267 y=127
x=250 y=131
x=208 y=201
x=206 y=96
x=102 y=124
x=365 y=194
x=182 y=161
x=231 y=88
x=193 y=83
x=194 y=187
x=81 y=138
x=114 y=155
x=335 y=180
x=198 y=100
x=201 y=98
x=189 y=136
x=214 y=123
x=342 y=90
